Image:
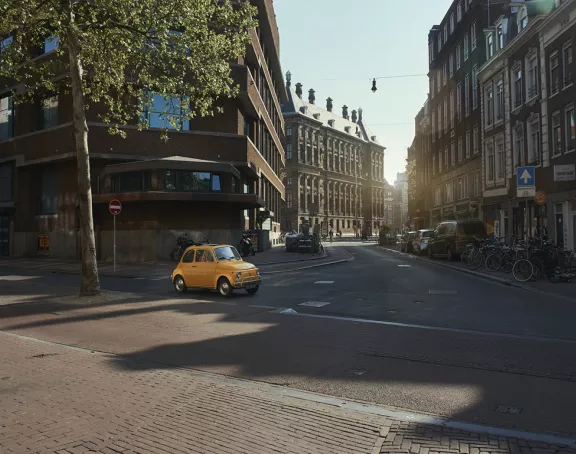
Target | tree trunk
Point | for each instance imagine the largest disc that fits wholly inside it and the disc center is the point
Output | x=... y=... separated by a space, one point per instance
x=90 y=279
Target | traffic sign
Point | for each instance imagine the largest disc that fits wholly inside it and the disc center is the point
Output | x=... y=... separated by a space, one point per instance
x=526 y=177
x=540 y=198
x=115 y=207
x=526 y=191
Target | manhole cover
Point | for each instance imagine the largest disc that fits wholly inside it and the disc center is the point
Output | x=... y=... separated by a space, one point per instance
x=357 y=372
x=508 y=409
x=314 y=303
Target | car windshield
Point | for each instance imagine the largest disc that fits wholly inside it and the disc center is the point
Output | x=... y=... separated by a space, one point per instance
x=427 y=234
x=226 y=253
x=472 y=228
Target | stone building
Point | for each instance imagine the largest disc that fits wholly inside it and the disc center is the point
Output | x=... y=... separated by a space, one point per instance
x=334 y=172
x=213 y=178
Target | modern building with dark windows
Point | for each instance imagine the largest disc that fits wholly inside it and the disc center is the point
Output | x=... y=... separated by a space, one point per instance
x=457 y=50
x=213 y=178
x=528 y=98
x=334 y=173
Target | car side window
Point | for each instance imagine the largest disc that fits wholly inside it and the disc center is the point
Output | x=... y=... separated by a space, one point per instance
x=200 y=256
x=450 y=229
x=188 y=257
x=441 y=229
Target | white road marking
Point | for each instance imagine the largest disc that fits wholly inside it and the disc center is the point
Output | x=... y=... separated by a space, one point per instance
x=324 y=282
x=442 y=292
x=314 y=304
x=404 y=266
x=18 y=278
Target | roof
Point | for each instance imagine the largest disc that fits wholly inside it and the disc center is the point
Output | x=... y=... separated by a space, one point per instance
x=172 y=163
x=332 y=120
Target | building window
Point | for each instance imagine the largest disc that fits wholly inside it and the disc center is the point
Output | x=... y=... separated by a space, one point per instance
x=433 y=125
x=489 y=162
x=500 y=37
x=289 y=131
x=466 y=95
x=187 y=181
x=430 y=52
x=566 y=64
x=445 y=114
x=130 y=182
x=460 y=151
x=473 y=36
x=570 y=129
x=6 y=118
x=459 y=11
x=445 y=33
x=459 y=102
x=452 y=23
x=522 y=18
x=475 y=141
x=466 y=5
x=47 y=113
x=453 y=154
x=489 y=46
x=432 y=87
x=439 y=42
x=500 y=159
x=474 y=87
x=518 y=145
x=554 y=74
x=166 y=112
x=288 y=151
x=446 y=157
x=452 y=109
x=438 y=81
x=556 y=134
x=444 y=74
x=517 y=88
x=440 y=162
x=468 y=139
x=532 y=86
x=534 y=141
x=51 y=43
x=458 y=58
x=489 y=107
x=439 y=121
x=451 y=64
x=288 y=200
x=437 y=196
x=466 y=46
x=477 y=183
x=499 y=100
x=48 y=193
x=6 y=185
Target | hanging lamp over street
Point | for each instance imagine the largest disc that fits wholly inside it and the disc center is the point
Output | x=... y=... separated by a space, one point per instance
x=374 y=88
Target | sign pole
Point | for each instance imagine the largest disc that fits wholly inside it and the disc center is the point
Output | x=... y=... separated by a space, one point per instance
x=114 y=243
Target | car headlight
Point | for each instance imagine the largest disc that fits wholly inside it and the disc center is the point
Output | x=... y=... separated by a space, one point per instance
x=238 y=275
x=258 y=272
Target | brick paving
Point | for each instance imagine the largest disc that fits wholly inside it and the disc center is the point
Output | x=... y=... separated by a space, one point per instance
x=60 y=399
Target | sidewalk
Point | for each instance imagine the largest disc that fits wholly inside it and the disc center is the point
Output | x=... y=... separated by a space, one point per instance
x=85 y=401
x=268 y=261
x=562 y=290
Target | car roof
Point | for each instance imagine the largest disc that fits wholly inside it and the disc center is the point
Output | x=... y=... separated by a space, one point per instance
x=207 y=246
x=426 y=230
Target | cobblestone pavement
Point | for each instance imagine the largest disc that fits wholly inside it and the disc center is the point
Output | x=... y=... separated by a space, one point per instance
x=55 y=398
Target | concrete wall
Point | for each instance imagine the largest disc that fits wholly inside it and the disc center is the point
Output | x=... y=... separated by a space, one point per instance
x=63 y=244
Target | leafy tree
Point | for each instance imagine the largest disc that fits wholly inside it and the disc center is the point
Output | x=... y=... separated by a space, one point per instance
x=117 y=54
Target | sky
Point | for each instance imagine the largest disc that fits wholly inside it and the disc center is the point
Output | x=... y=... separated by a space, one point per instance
x=337 y=47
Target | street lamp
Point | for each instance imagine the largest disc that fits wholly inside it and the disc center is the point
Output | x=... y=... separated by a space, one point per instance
x=374 y=88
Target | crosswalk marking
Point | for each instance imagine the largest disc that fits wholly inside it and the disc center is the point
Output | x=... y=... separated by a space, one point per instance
x=324 y=282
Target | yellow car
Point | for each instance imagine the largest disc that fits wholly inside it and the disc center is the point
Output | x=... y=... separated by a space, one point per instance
x=220 y=267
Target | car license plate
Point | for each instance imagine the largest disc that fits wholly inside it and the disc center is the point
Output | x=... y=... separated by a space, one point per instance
x=249 y=286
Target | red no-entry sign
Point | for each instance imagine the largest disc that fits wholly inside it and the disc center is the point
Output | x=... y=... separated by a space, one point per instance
x=115 y=207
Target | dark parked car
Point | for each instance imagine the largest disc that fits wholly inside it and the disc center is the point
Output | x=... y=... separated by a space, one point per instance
x=451 y=237
x=406 y=243
x=420 y=243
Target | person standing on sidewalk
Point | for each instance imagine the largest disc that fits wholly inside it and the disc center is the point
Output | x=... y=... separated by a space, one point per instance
x=331 y=234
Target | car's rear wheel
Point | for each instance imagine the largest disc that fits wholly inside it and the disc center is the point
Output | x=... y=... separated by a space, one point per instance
x=224 y=287
x=179 y=284
x=449 y=254
x=252 y=291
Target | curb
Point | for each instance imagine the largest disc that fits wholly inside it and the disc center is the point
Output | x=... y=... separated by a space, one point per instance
x=484 y=276
x=320 y=257
x=319 y=265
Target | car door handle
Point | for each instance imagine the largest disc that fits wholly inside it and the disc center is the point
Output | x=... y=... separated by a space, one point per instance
x=193 y=266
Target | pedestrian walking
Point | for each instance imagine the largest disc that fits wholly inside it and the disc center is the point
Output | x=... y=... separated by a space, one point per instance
x=331 y=233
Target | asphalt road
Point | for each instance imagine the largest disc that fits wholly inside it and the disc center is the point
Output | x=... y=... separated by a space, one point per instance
x=383 y=328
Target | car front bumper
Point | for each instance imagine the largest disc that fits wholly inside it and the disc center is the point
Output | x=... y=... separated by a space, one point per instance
x=249 y=282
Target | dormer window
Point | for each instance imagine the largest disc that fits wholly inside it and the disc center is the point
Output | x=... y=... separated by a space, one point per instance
x=522 y=18
x=500 y=37
x=316 y=116
x=347 y=129
x=331 y=123
x=490 y=45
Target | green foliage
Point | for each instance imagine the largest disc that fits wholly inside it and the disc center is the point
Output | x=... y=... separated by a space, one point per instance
x=384 y=230
x=127 y=48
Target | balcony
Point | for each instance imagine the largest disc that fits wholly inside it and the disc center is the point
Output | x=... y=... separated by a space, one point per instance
x=554 y=88
x=517 y=102
x=532 y=92
x=568 y=80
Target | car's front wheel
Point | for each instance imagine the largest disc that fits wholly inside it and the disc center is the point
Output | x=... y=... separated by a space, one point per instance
x=224 y=287
x=179 y=284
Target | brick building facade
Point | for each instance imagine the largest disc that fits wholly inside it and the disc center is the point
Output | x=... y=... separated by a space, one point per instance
x=194 y=194
x=334 y=167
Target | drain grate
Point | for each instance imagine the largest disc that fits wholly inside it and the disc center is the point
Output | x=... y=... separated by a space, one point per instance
x=508 y=409
x=357 y=372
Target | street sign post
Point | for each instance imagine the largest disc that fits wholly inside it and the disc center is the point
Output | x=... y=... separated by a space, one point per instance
x=526 y=187
x=115 y=208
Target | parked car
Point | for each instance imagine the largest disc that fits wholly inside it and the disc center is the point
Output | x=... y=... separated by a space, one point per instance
x=450 y=238
x=215 y=267
x=406 y=243
x=420 y=243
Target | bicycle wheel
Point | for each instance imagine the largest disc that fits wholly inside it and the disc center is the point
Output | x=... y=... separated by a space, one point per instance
x=476 y=261
x=523 y=270
x=493 y=262
x=538 y=266
x=508 y=264
x=465 y=256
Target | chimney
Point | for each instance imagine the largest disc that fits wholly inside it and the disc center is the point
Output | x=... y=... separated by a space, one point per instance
x=373 y=138
x=329 y=105
x=360 y=114
x=354 y=116
x=288 y=79
x=311 y=96
x=345 y=112
x=299 y=90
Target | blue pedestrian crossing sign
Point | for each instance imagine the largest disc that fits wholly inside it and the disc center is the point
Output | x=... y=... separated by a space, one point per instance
x=526 y=176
